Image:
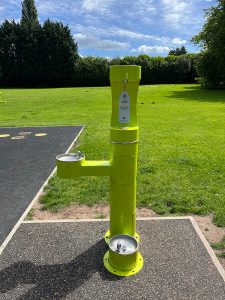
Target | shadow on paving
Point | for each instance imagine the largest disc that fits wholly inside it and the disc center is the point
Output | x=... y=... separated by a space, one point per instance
x=56 y=281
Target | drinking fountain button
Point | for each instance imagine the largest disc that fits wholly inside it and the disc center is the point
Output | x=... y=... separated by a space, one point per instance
x=118 y=247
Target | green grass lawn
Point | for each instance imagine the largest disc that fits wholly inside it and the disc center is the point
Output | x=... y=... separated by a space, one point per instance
x=181 y=149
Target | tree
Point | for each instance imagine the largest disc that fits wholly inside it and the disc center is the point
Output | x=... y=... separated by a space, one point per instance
x=29 y=13
x=29 y=45
x=59 y=54
x=178 y=51
x=35 y=55
x=29 y=51
x=8 y=52
x=212 y=41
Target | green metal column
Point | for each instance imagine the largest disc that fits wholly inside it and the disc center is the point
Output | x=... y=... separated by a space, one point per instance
x=122 y=169
x=124 y=142
x=123 y=189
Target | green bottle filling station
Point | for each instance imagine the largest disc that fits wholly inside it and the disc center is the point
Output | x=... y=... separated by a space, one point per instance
x=123 y=258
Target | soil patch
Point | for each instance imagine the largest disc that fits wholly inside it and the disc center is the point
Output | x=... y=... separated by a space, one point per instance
x=75 y=211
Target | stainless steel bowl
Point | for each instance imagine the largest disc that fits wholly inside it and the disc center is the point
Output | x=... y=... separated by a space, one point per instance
x=70 y=157
x=123 y=244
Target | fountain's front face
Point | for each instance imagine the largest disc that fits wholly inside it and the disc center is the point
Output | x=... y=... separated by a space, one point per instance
x=124 y=82
x=123 y=258
x=122 y=169
x=69 y=164
x=124 y=133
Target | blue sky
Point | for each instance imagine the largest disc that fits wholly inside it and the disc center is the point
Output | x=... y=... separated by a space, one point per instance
x=112 y=28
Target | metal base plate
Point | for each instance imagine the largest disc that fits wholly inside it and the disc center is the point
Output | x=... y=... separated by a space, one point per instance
x=138 y=267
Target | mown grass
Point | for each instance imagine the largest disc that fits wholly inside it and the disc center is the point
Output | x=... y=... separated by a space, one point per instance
x=181 y=150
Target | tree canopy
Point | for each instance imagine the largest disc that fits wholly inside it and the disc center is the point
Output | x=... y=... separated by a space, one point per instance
x=32 y=54
x=29 y=13
x=212 y=41
x=178 y=51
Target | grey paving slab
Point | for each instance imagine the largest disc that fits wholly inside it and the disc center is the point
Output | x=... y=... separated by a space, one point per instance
x=25 y=164
x=64 y=261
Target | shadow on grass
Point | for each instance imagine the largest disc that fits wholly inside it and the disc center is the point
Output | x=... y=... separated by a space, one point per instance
x=56 y=281
x=196 y=93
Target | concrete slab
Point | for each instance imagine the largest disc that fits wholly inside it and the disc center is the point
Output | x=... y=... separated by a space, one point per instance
x=27 y=157
x=64 y=261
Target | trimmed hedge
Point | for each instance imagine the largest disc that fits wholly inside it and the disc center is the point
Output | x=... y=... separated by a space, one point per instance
x=94 y=71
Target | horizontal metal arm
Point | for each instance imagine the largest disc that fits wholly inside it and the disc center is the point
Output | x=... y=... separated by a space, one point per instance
x=95 y=168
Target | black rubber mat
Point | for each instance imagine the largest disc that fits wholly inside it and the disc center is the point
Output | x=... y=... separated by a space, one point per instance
x=27 y=158
x=65 y=261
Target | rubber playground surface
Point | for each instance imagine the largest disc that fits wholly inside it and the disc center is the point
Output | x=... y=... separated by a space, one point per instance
x=64 y=260
x=27 y=158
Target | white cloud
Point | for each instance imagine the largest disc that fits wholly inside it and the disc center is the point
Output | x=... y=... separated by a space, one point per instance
x=99 y=6
x=14 y=2
x=140 y=36
x=138 y=10
x=91 y=42
x=79 y=36
x=117 y=32
x=91 y=37
x=126 y=33
x=178 y=41
x=134 y=35
x=49 y=7
x=151 y=49
x=123 y=33
x=145 y=6
x=58 y=8
x=176 y=5
x=177 y=13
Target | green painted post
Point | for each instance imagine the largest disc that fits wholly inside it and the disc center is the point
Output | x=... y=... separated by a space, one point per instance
x=122 y=167
x=124 y=135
